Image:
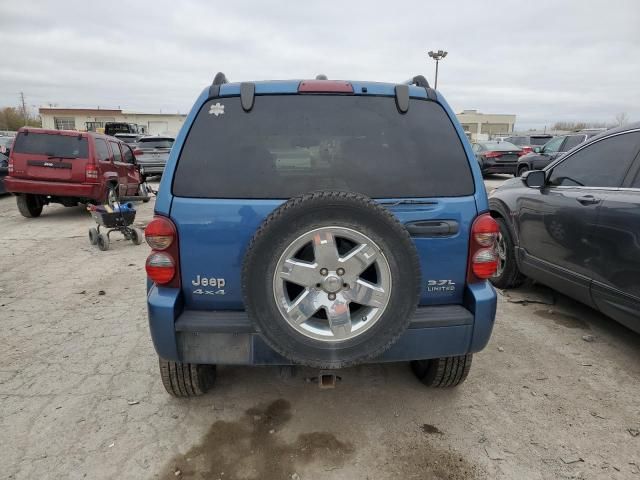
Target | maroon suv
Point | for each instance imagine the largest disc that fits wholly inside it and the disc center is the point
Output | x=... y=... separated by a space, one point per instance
x=69 y=167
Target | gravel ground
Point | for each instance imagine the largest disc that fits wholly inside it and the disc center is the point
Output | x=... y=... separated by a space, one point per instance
x=554 y=395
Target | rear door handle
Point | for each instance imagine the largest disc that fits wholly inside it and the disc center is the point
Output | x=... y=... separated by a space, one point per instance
x=432 y=228
x=588 y=200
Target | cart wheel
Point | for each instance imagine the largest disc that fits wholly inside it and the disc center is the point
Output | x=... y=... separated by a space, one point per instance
x=136 y=236
x=93 y=236
x=103 y=242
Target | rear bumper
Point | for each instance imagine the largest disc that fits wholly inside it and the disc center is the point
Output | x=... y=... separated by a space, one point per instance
x=151 y=168
x=499 y=167
x=54 y=189
x=227 y=337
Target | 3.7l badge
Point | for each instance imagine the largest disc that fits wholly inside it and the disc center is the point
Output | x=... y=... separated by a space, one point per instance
x=441 y=286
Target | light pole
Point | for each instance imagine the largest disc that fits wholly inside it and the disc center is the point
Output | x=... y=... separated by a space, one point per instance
x=437 y=56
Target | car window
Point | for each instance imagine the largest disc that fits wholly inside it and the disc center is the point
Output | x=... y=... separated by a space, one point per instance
x=572 y=141
x=127 y=154
x=601 y=164
x=102 y=152
x=500 y=146
x=155 y=143
x=295 y=144
x=553 y=146
x=538 y=141
x=53 y=145
x=117 y=156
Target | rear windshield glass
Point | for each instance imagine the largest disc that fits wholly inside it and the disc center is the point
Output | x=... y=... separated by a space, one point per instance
x=537 y=141
x=52 y=145
x=155 y=143
x=500 y=146
x=292 y=144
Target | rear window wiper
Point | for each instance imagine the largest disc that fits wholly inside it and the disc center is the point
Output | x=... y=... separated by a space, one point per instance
x=408 y=202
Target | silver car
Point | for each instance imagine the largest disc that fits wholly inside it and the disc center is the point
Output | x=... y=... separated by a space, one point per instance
x=152 y=154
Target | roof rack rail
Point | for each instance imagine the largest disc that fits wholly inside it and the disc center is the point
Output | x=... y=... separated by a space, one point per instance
x=418 y=81
x=218 y=80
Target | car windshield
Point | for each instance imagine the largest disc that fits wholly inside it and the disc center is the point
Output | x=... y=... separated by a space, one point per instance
x=291 y=144
x=52 y=145
x=155 y=143
x=539 y=141
x=500 y=146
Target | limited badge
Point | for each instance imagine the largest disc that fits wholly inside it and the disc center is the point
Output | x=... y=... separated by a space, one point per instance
x=217 y=109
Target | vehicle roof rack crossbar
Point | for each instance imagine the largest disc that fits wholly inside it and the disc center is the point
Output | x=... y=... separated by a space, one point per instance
x=247 y=95
x=402 y=98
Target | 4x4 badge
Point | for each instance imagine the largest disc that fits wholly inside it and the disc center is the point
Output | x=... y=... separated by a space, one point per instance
x=216 y=109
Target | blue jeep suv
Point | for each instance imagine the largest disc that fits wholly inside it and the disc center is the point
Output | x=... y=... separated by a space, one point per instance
x=320 y=223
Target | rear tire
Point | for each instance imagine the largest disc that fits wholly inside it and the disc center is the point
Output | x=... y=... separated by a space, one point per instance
x=112 y=195
x=510 y=275
x=186 y=379
x=93 y=236
x=29 y=205
x=103 y=242
x=521 y=170
x=143 y=191
x=444 y=371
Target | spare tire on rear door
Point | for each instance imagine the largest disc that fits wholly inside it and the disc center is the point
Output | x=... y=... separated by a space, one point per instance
x=331 y=279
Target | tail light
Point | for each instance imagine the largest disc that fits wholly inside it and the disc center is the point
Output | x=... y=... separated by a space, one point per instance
x=483 y=258
x=493 y=154
x=10 y=166
x=163 y=263
x=91 y=173
x=526 y=150
x=137 y=152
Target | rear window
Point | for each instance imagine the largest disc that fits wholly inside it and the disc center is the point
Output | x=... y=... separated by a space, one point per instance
x=155 y=143
x=52 y=145
x=293 y=144
x=500 y=146
x=538 y=141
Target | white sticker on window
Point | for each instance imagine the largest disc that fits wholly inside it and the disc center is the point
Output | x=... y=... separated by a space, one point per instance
x=216 y=109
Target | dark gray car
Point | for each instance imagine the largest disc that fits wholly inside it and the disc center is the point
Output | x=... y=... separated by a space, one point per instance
x=553 y=149
x=152 y=154
x=575 y=226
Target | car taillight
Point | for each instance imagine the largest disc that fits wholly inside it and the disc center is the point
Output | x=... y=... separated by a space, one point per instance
x=160 y=233
x=137 y=152
x=160 y=267
x=10 y=167
x=483 y=258
x=493 y=154
x=163 y=263
x=525 y=150
x=91 y=173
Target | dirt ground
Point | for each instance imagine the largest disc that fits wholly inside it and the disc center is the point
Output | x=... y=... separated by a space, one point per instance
x=554 y=395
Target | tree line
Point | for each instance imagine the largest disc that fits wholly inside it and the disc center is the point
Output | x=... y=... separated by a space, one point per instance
x=13 y=118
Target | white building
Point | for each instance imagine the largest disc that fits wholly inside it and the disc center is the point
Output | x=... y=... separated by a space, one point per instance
x=483 y=126
x=94 y=119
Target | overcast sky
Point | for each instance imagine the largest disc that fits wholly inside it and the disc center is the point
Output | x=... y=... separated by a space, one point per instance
x=543 y=61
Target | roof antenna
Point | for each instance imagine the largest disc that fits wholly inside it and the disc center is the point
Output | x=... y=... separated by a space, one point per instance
x=321 y=76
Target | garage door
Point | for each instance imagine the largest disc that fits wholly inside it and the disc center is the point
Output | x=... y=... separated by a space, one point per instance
x=158 y=128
